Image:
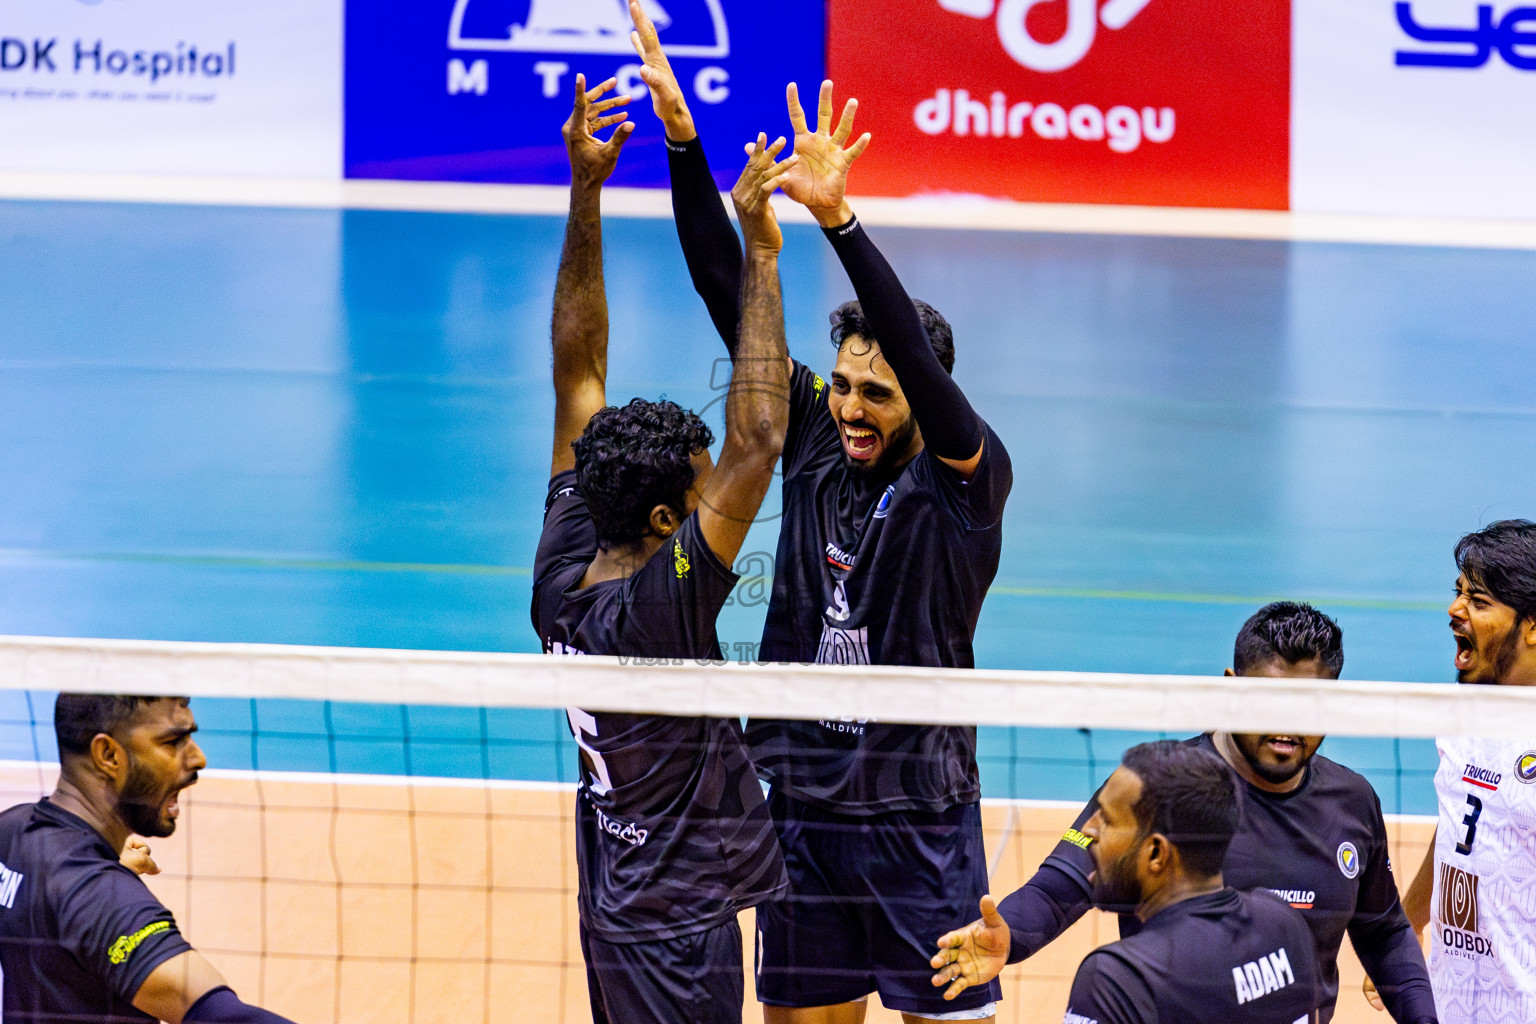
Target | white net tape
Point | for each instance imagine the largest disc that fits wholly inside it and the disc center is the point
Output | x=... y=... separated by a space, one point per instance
x=1174 y=704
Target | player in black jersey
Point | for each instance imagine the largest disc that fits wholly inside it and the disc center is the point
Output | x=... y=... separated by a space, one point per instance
x=1205 y=953
x=893 y=498
x=1311 y=832
x=673 y=837
x=82 y=940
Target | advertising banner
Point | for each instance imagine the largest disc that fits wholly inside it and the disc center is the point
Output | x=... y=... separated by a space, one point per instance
x=171 y=86
x=476 y=90
x=1156 y=102
x=1423 y=108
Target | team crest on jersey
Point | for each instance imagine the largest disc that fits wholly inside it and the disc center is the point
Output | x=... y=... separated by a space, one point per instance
x=1349 y=859
x=1525 y=767
x=884 y=508
x=680 y=559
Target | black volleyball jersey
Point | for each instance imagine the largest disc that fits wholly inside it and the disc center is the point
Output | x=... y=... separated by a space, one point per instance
x=876 y=570
x=1322 y=848
x=1227 y=957
x=672 y=834
x=79 y=933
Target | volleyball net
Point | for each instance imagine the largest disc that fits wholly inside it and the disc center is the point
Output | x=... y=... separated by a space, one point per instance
x=389 y=835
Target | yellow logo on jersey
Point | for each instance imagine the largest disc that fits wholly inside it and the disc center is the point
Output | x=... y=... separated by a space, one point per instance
x=1525 y=767
x=819 y=386
x=123 y=948
x=680 y=559
x=1076 y=838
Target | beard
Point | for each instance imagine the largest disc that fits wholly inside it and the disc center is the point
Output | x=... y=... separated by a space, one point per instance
x=1502 y=659
x=1274 y=774
x=895 y=450
x=1115 y=888
x=142 y=804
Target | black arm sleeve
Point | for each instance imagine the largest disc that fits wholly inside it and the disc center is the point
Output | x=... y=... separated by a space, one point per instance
x=222 y=1006
x=1048 y=904
x=951 y=429
x=710 y=246
x=1390 y=954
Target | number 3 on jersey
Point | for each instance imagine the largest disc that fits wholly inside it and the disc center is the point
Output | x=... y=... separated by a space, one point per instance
x=1465 y=846
x=582 y=726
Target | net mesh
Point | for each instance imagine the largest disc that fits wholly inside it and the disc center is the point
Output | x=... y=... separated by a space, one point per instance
x=389 y=835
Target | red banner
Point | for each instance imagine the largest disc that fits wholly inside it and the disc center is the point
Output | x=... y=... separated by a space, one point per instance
x=1147 y=102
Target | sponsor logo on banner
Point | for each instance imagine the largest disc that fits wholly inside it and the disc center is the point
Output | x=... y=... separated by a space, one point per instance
x=1400 y=105
x=476 y=90
x=1471 y=44
x=1128 y=101
x=172 y=86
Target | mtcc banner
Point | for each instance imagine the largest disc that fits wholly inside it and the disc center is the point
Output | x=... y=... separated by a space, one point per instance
x=476 y=90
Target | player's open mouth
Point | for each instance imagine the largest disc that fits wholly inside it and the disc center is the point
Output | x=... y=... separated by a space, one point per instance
x=1464 y=649
x=859 y=442
x=1283 y=746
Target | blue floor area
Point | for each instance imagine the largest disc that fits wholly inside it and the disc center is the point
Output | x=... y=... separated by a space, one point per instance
x=333 y=427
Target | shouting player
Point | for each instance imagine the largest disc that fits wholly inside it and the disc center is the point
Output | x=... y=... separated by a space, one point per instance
x=1312 y=832
x=893 y=497
x=1205 y=953
x=673 y=838
x=81 y=938
x=1477 y=886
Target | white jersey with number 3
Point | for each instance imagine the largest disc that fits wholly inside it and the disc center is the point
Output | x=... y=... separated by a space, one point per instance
x=1482 y=957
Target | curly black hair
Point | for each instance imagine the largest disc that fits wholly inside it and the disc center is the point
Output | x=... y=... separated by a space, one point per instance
x=1291 y=631
x=848 y=320
x=79 y=717
x=632 y=458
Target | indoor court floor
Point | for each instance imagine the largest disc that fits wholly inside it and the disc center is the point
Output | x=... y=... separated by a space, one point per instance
x=333 y=427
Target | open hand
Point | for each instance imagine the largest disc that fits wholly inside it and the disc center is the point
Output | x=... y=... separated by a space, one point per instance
x=758 y=181
x=972 y=955
x=820 y=180
x=136 y=857
x=592 y=161
x=656 y=72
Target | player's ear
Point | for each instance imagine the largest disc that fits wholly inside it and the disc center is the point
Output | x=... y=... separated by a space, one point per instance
x=665 y=521
x=1157 y=854
x=1228 y=672
x=1528 y=630
x=109 y=756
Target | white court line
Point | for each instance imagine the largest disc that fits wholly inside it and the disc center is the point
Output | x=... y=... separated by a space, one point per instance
x=964 y=212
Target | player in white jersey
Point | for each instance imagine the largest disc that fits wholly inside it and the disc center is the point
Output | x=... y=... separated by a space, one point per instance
x=1477 y=887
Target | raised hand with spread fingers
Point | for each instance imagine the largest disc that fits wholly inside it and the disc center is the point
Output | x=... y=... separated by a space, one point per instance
x=820 y=180
x=592 y=160
x=656 y=72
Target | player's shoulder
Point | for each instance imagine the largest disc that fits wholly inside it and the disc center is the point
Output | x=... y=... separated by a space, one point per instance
x=1342 y=781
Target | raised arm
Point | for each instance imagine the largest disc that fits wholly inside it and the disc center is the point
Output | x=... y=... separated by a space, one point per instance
x=704 y=228
x=579 y=329
x=951 y=429
x=757 y=405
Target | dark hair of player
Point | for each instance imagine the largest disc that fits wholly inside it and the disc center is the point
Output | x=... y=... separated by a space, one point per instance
x=1190 y=796
x=1292 y=632
x=632 y=458
x=848 y=320
x=1501 y=558
x=79 y=717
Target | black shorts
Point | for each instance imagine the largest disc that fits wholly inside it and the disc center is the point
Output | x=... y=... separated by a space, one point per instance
x=868 y=899
x=697 y=977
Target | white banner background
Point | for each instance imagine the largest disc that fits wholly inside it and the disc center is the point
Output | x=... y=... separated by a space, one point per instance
x=1368 y=136
x=279 y=113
